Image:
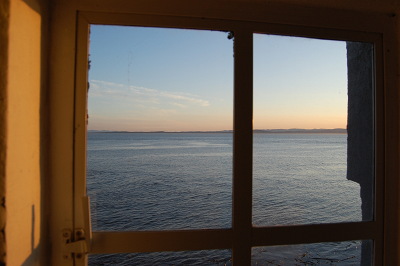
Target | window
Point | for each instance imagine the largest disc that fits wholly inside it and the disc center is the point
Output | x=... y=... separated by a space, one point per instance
x=168 y=112
x=243 y=235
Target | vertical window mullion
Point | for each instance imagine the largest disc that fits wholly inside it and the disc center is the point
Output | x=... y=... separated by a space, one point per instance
x=242 y=147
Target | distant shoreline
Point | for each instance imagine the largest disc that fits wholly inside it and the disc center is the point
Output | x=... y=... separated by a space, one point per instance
x=256 y=131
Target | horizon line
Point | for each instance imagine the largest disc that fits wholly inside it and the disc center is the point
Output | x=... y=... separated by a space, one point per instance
x=327 y=130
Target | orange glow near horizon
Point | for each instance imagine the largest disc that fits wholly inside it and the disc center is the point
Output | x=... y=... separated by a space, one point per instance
x=185 y=83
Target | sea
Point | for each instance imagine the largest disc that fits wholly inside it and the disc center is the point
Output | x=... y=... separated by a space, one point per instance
x=172 y=181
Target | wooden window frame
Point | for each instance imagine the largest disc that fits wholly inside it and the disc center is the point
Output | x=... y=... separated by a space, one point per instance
x=243 y=235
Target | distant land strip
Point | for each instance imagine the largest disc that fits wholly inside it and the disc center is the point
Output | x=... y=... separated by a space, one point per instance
x=261 y=131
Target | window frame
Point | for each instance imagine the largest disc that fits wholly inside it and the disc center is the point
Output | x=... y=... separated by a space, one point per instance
x=243 y=235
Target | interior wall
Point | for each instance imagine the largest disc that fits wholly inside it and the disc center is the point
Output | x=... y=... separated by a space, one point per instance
x=25 y=132
x=4 y=18
x=372 y=5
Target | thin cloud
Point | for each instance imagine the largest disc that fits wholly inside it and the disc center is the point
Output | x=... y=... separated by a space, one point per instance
x=99 y=88
x=179 y=105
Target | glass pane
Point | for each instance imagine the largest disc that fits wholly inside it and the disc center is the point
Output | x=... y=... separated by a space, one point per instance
x=313 y=137
x=331 y=253
x=160 y=120
x=202 y=257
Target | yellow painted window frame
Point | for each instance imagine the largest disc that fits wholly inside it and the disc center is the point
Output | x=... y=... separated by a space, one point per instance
x=243 y=235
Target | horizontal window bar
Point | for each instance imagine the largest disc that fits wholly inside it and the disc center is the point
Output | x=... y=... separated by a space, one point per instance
x=221 y=24
x=303 y=234
x=152 y=241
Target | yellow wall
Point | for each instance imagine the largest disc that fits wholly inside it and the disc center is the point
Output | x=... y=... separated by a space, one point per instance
x=25 y=135
x=4 y=19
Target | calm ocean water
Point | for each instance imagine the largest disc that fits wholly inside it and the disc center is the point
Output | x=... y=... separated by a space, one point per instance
x=165 y=181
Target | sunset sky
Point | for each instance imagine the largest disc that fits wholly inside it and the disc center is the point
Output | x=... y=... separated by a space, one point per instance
x=148 y=79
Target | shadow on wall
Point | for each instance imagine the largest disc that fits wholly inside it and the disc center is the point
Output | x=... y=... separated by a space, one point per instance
x=33 y=257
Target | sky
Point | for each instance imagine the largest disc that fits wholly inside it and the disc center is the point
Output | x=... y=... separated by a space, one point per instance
x=153 y=79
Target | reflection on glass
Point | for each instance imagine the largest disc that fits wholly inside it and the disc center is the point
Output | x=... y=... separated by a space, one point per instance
x=331 y=253
x=200 y=258
x=308 y=134
x=159 y=153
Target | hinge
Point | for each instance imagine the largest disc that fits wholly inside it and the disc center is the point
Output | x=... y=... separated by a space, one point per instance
x=75 y=244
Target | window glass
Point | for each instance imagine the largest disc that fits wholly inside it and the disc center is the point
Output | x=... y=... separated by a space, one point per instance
x=331 y=253
x=159 y=153
x=200 y=257
x=313 y=131
x=159 y=147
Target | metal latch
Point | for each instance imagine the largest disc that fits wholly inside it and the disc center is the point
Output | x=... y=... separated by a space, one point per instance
x=77 y=242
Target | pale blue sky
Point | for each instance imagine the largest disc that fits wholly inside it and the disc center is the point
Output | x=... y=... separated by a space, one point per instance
x=149 y=79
